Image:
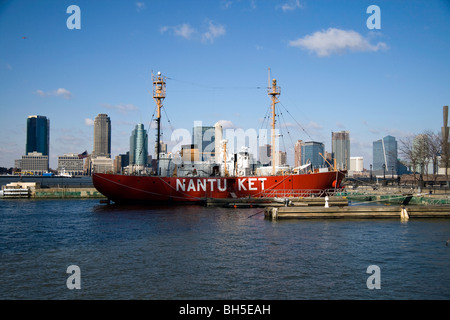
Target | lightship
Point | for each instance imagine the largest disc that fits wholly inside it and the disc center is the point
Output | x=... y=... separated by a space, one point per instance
x=226 y=176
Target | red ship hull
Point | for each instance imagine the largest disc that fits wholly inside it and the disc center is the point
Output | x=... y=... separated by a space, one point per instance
x=155 y=189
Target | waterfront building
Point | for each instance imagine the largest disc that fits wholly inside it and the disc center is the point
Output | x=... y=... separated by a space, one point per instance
x=102 y=136
x=204 y=138
x=101 y=164
x=340 y=147
x=385 y=154
x=70 y=163
x=311 y=151
x=34 y=163
x=139 y=146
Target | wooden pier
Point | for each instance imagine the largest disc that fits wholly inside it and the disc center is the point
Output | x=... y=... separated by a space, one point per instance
x=339 y=212
x=274 y=202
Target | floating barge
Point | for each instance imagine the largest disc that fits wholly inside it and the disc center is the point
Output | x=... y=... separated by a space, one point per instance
x=358 y=212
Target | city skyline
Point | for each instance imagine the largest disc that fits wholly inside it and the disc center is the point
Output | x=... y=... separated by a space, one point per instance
x=216 y=58
x=384 y=150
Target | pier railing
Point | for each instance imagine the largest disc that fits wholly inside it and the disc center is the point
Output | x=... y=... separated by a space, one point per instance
x=285 y=193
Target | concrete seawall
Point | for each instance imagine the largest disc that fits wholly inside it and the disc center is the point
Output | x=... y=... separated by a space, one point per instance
x=34 y=190
x=59 y=193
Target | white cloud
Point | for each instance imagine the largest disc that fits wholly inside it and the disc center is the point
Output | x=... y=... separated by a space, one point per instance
x=183 y=30
x=213 y=32
x=64 y=93
x=88 y=122
x=186 y=31
x=140 y=6
x=41 y=93
x=226 y=4
x=227 y=124
x=122 y=107
x=332 y=40
x=60 y=92
x=291 y=5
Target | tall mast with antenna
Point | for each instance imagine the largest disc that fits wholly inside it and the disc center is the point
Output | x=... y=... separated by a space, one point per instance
x=273 y=92
x=159 y=93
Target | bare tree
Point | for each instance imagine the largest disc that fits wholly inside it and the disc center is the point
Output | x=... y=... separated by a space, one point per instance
x=434 y=150
x=421 y=148
x=407 y=153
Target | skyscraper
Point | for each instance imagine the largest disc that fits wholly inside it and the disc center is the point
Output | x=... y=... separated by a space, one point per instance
x=38 y=135
x=340 y=146
x=102 y=136
x=139 y=146
x=385 y=153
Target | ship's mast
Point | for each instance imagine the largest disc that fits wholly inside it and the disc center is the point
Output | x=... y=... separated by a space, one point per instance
x=159 y=93
x=273 y=92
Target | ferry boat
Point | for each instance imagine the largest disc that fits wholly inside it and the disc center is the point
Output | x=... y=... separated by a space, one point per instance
x=227 y=177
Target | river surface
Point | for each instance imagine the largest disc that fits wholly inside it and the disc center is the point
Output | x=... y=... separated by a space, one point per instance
x=195 y=252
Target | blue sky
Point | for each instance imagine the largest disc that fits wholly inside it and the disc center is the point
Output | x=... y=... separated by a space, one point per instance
x=334 y=72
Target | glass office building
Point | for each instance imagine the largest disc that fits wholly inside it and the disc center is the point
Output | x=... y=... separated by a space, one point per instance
x=385 y=153
x=38 y=135
x=139 y=146
x=310 y=151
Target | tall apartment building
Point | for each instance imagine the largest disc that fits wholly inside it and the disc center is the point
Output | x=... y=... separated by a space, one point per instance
x=102 y=136
x=340 y=147
x=139 y=146
x=385 y=153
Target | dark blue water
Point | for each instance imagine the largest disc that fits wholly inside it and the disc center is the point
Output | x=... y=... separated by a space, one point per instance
x=194 y=252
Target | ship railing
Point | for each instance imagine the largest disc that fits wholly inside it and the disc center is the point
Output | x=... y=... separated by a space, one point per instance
x=285 y=193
